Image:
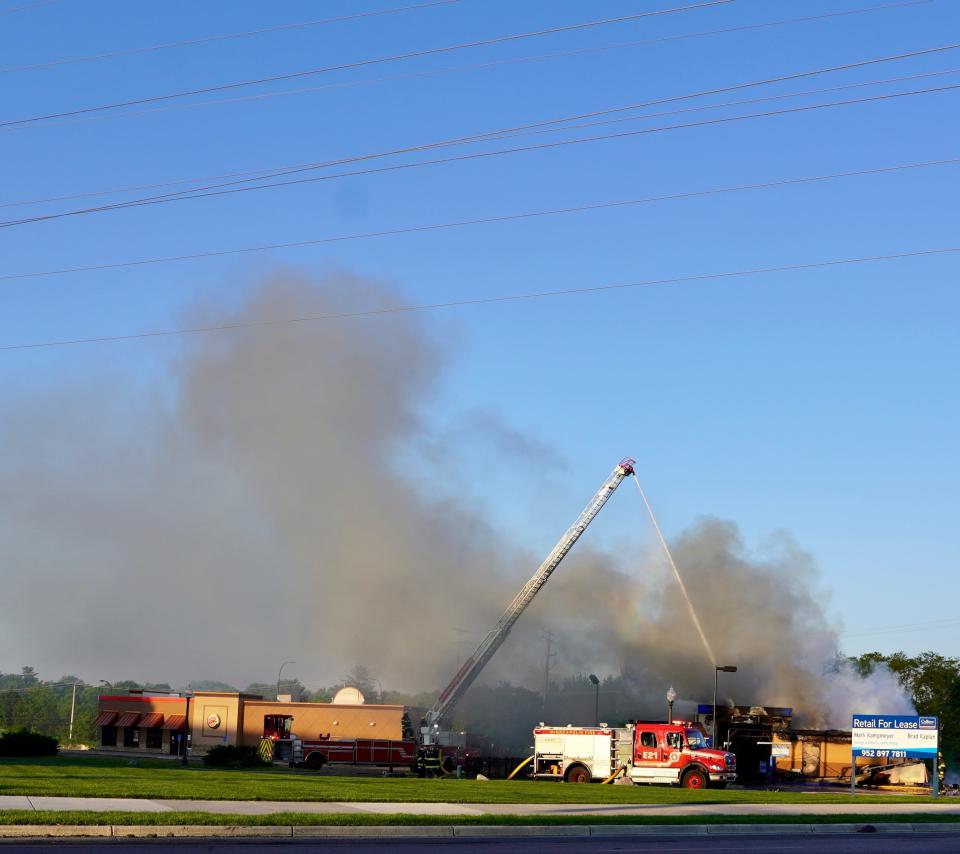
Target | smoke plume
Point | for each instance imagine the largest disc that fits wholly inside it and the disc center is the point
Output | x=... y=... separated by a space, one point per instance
x=761 y=611
x=272 y=506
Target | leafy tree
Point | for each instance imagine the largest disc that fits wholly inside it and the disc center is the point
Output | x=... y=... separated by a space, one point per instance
x=865 y=664
x=268 y=690
x=362 y=679
x=933 y=681
x=209 y=685
x=23 y=742
x=264 y=689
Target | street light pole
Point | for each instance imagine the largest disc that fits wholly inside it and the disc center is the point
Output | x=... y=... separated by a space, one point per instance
x=596 y=700
x=726 y=668
x=671 y=696
x=279 y=672
x=186 y=730
x=73 y=706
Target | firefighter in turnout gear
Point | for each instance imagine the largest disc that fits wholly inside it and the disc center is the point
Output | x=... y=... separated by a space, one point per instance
x=428 y=762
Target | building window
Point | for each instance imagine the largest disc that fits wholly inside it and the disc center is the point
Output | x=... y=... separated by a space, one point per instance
x=155 y=738
x=108 y=736
x=131 y=736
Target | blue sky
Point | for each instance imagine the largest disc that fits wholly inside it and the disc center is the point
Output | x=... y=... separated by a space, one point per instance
x=822 y=402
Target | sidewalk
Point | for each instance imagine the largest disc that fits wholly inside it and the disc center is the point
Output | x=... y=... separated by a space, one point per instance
x=947 y=806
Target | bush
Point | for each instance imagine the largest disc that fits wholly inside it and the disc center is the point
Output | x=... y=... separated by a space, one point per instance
x=24 y=742
x=233 y=756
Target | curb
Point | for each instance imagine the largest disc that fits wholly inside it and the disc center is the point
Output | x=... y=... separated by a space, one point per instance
x=200 y=831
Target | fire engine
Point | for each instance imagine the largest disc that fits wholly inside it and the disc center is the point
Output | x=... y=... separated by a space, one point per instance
x=675 y=754
x=314 y=753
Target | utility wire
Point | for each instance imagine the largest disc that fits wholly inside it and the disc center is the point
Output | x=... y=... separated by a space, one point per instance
x=264 y=173
x=485 y=65
x=220 y=253
x=279 y=171
x=10 y=9
x=908 y=627
x=506 y=298
x=493 y=134
x=319 y=22
x=365 y=62
x=230 y=189
x=42 y=685
x=724 y=104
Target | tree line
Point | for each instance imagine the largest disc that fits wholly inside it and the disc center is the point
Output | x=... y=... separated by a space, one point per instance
x=499 y=717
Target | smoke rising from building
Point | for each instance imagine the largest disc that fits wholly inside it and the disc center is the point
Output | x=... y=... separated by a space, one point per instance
x=762 y=611
x=272 y=508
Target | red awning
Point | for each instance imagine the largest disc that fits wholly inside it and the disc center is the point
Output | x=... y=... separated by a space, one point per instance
x=174 y=722
x=128 y=719
x=104 y=719
x=154 y=719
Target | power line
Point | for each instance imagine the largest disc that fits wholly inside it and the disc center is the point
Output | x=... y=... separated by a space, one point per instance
x=490 y=64
x=882 y=630
x=505 y=298
x=41 y=685
x=724 y=104
x=27 y=6
x=230 y=188
x=278 y=171
x=292 y=169
x=319 y=22
x=220 y=253
x=503 y=133
x=364 y=63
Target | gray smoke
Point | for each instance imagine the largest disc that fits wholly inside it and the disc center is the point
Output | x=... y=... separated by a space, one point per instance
x=277 y=504
x=262 y=515
x=762 y=611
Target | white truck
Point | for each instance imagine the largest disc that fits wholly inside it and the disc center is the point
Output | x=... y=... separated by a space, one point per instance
x=674 y=754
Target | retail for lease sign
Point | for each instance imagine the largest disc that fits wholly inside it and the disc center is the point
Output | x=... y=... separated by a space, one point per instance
x=895 y=736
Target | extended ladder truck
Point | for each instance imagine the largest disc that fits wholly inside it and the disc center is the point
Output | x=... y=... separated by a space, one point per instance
x=437 y=746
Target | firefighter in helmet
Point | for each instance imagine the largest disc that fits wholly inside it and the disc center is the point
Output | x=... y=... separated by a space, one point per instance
x=431 y=763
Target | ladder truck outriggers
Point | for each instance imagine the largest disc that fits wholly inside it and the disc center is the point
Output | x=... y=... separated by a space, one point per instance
x=438 y=746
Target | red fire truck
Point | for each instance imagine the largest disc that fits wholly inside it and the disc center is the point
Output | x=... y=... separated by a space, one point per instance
x=675 y=754
x=317 y=752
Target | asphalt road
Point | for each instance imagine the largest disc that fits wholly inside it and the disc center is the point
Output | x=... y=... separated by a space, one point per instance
x=774 y=843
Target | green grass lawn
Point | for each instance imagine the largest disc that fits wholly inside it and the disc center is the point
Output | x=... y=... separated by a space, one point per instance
x=353 y=819
x=109 y=777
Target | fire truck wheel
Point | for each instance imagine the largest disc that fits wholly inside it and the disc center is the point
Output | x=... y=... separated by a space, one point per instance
x=577 y=774
x=314 y=762
x=694 y=779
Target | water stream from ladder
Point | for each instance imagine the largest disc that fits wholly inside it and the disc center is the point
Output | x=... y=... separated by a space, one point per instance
x=676 y=574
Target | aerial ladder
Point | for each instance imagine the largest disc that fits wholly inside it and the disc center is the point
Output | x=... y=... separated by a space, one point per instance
x=431 y=736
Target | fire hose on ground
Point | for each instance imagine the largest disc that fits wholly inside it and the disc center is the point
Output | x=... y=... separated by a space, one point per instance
x=622 y=769
x=516 y=770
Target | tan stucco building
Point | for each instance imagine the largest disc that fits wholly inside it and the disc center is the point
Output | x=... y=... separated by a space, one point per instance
x=141 y=723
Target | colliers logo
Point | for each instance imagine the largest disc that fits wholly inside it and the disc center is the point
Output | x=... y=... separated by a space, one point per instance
x=213 y=721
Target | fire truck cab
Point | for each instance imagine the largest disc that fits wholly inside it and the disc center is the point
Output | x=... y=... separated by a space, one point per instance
x=674 y=754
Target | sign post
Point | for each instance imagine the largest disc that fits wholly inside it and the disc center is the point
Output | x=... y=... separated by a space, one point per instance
x=894 y=737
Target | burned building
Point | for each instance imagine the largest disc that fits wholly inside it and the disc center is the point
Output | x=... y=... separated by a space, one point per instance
x=747 y=731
